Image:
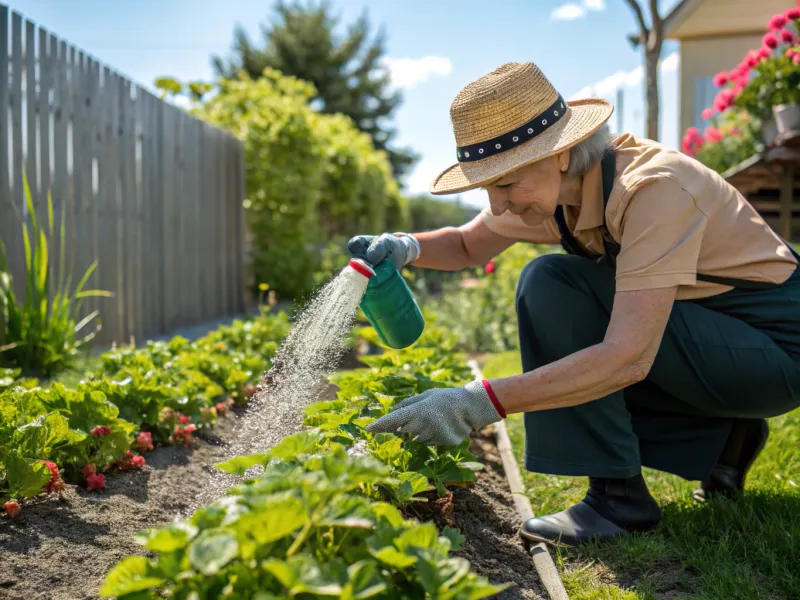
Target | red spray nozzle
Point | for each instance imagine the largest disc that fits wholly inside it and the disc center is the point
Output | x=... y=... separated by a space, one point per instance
x=361 y=266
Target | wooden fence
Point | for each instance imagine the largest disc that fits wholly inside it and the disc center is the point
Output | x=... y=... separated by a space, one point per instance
x=152 y=194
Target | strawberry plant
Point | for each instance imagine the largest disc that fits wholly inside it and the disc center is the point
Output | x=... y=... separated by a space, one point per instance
x=303 y=529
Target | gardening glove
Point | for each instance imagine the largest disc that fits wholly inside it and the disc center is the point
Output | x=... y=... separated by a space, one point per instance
x=443 y=416
x=400 y=247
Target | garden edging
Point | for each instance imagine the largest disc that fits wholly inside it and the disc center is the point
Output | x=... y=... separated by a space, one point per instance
x=542 y=561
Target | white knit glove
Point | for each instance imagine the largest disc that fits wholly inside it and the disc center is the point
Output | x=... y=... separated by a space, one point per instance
x=441 y=416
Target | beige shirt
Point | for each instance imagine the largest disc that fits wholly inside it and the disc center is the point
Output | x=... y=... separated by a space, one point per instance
x=673 y=218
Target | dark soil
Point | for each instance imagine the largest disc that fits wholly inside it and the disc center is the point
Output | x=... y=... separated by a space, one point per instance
x=61 y=548
x=486 y=516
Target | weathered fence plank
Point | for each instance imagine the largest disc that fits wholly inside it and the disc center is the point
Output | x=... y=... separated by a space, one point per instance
x=151 y=193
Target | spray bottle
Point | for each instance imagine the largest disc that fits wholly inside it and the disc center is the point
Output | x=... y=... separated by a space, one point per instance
x=389 y=304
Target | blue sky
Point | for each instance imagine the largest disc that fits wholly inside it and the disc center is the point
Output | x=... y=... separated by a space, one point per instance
x=434 y=48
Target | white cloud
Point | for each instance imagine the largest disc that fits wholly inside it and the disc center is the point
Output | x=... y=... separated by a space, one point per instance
x=594 y=4
x=408 y=72
x=574 y=10
x=632 y=78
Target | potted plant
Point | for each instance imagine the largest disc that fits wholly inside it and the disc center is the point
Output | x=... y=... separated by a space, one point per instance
x=766 y=83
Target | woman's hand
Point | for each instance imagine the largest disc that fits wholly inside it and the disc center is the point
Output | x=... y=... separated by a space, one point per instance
x=400 y=247
x=442 y=416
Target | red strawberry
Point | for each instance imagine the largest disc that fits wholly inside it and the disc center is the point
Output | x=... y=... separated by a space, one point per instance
x=221 y=408
x=58 y=486
x=144 y=441
x=89 y=470
x=95 y=482
x=137 y=461
x=100 y=431
x=183 y=419
x=13 y=508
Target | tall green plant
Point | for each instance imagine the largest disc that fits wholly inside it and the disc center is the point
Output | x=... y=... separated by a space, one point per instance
x=39 y=334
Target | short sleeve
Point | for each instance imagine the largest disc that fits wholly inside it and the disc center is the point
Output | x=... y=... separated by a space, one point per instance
x=513 y=227
x=660 y=237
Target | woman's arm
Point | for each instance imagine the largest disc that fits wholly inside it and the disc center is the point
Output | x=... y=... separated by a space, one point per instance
x=456 y=248
x=624 y=357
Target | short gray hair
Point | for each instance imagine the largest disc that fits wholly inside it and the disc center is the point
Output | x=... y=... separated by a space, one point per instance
x=586 y=154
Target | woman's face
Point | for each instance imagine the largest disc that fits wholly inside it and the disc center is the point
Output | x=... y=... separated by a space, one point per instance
x=531 y=191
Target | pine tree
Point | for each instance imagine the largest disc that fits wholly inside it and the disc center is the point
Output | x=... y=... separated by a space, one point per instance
x=300 y=40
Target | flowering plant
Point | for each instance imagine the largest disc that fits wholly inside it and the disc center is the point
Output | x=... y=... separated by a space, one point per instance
x=766 y=77
x=730 y=139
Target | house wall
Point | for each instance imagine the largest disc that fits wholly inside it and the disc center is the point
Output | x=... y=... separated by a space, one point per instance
x=701 y=59
x=724 y=17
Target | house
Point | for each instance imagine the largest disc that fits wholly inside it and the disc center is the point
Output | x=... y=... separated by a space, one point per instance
x=714 y=35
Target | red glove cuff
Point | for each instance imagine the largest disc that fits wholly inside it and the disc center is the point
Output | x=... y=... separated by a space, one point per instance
x=495 y=402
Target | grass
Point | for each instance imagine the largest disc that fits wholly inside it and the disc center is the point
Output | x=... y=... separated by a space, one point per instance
x=722 y=550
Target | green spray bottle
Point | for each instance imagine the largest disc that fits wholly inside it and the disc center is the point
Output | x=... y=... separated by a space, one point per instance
x=389 y=304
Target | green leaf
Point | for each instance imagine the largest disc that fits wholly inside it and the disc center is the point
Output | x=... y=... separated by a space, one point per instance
x=454 y=535
x=365 y=581
x=26 y=477
x=297 y=445
x=240 y=464
x=167 y=539
x=394 y=558
x=133 y=574
x=274 y=520
x=212 y=550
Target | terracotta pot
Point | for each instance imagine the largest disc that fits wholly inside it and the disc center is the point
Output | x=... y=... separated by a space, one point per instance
x=769 y=131
x=787 y=117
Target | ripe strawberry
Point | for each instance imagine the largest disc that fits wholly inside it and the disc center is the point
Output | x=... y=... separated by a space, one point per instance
x=100 y=431
x=221 y=408
x=144 y=441
x=137 y=462
x=183 y=419
x=54 y=476
x=95 y=482
x=89 y=470
x=58 y=486
x=13 y=508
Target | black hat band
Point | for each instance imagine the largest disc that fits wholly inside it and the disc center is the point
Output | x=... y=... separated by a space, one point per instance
x=512 y=139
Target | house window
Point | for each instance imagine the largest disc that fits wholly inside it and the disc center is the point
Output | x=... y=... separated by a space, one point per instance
x=704 y=94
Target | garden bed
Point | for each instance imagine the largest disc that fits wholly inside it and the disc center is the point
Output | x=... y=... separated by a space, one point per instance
x=62 y=548
x=485 y=514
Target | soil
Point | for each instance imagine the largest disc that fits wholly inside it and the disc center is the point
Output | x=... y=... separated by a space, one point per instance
x=486 y=516
x=61 y=548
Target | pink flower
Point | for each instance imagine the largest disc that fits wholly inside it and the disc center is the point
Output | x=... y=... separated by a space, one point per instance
x=770 y=41
x=796 y=59
x=100 y=431
x=793 y=14
x=707 y=113
x=735 y=132
x=720 y=79
x=722 y=102
x=713 y=135
x=95 y=482
x=787 y=37
x=489 y=268
x=137 y=461
x=764 y=54
x=790 y=53
x=144 y=441
x=752 y=58
x=776 y=23
x=692 y=132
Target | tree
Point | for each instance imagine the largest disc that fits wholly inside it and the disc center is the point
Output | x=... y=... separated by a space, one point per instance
x=651 y=39
x=347 y=72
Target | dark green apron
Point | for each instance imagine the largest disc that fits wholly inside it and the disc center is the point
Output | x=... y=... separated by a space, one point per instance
x=731 y=356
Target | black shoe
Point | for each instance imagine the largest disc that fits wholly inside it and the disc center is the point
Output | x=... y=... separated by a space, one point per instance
x=745 y=442
x=611 y=507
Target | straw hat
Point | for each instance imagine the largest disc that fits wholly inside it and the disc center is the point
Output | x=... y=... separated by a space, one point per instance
x=512 y=117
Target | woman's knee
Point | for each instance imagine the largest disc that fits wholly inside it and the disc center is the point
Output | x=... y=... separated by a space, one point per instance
x=542 y=271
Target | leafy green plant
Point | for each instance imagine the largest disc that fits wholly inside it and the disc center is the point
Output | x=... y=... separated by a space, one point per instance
x=303 y=529
x=39 y=333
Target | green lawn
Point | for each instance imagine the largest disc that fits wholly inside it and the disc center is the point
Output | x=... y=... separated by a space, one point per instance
x=748 y=549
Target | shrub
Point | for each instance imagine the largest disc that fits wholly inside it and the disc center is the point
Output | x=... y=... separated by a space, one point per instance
x=38 y=334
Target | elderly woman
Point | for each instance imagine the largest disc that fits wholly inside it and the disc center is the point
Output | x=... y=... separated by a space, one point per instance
x=663 y=337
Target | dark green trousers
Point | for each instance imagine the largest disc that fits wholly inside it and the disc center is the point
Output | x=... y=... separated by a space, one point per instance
x=733 y=356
